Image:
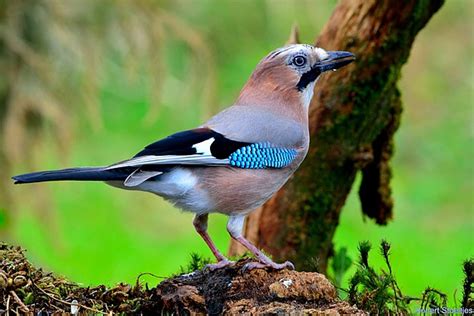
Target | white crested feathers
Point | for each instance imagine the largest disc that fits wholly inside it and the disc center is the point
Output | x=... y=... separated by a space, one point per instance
x=322 y=54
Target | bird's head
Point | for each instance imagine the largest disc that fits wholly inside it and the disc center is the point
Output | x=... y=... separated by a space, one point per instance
x=288 y=74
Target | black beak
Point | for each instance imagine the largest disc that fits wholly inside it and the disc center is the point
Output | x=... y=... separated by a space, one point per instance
x=336 y=60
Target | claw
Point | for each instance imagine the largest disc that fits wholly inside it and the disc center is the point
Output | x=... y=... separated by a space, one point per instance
x=219 y=265
x=272 y=265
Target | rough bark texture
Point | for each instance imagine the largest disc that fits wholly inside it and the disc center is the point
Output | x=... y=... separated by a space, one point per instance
x=353 y=117
x=234 y=291
x=26 y=289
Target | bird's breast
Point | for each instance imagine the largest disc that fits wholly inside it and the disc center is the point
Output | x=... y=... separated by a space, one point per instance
x=237 y=191
x=234 y=190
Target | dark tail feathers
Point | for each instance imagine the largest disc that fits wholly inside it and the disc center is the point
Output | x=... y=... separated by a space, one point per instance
x=75 y=174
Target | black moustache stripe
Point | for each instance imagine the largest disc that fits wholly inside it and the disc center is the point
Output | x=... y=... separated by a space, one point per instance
x=307 y=78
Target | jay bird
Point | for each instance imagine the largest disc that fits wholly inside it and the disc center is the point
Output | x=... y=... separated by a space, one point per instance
x=235 y=161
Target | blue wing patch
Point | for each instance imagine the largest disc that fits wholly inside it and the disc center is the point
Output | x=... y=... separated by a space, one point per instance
x=262 y=155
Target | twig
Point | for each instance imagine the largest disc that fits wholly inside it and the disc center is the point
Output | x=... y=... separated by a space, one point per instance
x=67 y=303
x=408 y=299
x=149 y=273
x=454 y=298
x=23 y=307
x=8 y=305
x=58 y=309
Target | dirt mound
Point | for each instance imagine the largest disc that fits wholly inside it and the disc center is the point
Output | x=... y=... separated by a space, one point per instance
x=24 y=288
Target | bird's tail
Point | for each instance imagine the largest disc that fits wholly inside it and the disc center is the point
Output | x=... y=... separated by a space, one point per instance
x=75 y=174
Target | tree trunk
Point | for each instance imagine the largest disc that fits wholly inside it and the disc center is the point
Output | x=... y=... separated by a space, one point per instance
x=353 y=117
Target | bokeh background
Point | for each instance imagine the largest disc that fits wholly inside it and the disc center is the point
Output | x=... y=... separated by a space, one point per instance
x=92 y=82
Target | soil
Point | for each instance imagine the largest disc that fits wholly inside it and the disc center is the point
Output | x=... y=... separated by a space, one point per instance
x=232 y=290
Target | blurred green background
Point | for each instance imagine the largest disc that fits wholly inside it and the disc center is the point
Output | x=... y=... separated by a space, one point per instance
x=126 y=73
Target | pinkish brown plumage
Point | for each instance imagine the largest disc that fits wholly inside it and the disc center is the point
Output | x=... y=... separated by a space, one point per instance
x=235 y=161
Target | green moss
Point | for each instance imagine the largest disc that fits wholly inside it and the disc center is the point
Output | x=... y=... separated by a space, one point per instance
x=196 y=262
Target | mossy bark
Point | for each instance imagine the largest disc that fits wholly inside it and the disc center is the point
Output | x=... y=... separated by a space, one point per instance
x=353 y=117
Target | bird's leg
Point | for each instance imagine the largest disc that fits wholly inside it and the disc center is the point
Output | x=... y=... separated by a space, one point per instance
x=234 y=227
x=200 y=224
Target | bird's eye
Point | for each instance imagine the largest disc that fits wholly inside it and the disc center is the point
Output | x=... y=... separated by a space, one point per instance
x=299 y=61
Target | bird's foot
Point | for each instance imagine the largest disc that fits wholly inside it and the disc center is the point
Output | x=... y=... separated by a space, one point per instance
x=219 y=265
x=271 y=265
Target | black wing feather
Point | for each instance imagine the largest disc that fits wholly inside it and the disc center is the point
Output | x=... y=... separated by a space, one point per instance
x=182 y=144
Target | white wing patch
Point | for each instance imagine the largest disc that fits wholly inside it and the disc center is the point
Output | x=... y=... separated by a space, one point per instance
x=202 y=156
x=204 y=147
